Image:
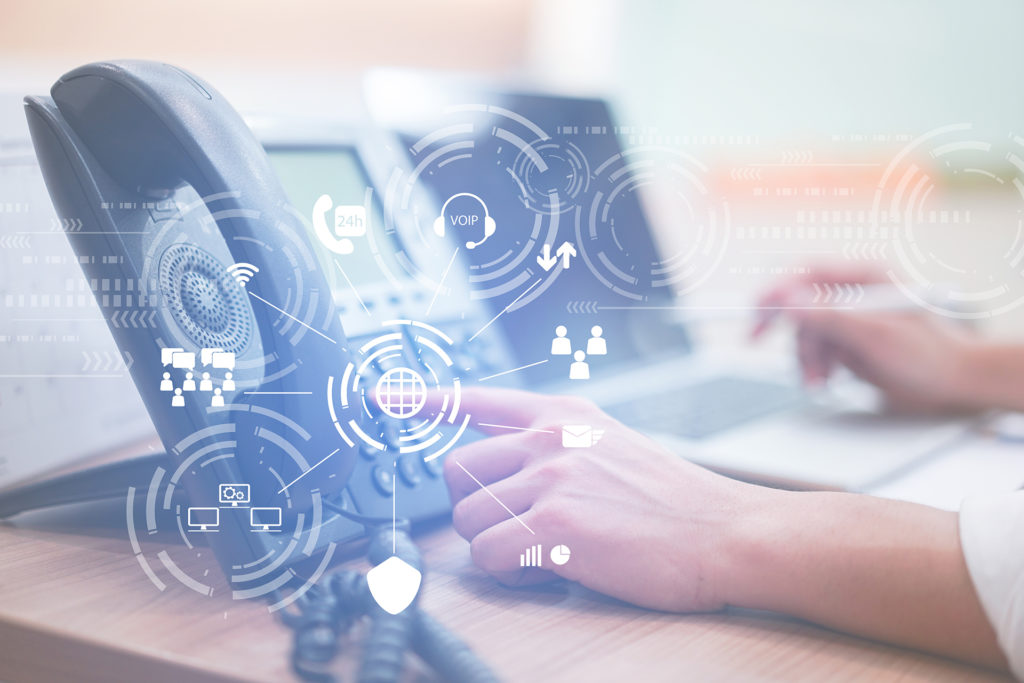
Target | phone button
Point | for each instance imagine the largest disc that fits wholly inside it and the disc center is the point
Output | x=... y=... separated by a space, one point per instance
x=368 y=451
x=435 y=467
x=407 y=470
x=384 y=480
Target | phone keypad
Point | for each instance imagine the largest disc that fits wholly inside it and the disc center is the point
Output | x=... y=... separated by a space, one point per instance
x=378 y=473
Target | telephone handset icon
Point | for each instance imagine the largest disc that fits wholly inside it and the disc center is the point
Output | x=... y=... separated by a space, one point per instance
x=349 y=221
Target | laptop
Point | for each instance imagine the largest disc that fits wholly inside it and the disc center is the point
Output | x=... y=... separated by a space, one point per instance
x=741 y=414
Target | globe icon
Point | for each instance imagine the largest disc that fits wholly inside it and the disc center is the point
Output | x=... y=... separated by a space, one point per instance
x=401 y=393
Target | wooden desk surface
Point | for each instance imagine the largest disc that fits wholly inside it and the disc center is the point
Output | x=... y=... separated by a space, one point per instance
x=75 y=605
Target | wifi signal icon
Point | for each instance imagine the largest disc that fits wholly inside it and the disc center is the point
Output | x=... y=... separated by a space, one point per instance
x=242 y=272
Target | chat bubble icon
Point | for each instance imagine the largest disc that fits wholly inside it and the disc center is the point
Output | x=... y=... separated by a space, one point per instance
x=184 y=360
x=206 y=354
x=223 y=359
x=167 y=355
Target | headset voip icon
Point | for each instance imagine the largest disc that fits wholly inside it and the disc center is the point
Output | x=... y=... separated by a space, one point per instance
x=466 y=220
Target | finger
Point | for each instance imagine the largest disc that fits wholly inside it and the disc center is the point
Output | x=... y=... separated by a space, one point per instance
x=765 y=319
x=484 y=461
x=500 y=549
x=770 y=302
x=498 y=503
x=811 y=354
x=853 y=362
x=829 y=359
x=493 y=409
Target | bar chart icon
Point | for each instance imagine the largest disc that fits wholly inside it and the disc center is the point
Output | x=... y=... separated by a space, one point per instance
x=532 y=557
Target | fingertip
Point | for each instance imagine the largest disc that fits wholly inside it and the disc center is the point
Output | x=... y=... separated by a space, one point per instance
x=759 y=328
x=813 y=380
x=510 y=406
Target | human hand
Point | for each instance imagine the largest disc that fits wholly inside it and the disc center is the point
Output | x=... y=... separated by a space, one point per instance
x=918 y=362
x=642 y=524
x=650 y=528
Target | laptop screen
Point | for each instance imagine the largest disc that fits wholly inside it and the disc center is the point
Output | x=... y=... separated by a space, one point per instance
x=612 y=280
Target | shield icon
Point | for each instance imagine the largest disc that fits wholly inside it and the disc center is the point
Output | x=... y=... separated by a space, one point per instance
x=394 y=584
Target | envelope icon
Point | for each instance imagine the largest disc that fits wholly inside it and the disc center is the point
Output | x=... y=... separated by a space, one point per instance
x=580 y=436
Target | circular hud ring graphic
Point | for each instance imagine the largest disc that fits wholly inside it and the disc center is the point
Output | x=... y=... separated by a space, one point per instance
x=950 y=204
x=524 y=179
x=388 y=381
x=675 y=182
x=553 y=175
x=216 y=496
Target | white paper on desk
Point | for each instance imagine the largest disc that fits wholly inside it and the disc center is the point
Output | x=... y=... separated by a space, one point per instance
x=982 y=465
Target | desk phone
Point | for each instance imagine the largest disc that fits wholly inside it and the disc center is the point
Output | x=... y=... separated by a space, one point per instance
x=257 y=302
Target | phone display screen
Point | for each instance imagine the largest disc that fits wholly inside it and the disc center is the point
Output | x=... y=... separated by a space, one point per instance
x=350 y=241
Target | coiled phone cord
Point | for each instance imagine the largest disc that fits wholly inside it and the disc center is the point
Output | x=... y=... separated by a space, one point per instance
x=340 y=600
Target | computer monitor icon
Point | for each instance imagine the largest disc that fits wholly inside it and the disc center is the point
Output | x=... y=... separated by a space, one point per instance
x=203 y=519
x=262 y=519
x=233 y=494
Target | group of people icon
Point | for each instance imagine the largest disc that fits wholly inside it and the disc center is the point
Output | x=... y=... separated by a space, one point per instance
x=205 y=385
x=561 y=345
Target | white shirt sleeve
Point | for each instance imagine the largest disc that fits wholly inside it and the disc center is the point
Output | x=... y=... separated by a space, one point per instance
x=992 y=538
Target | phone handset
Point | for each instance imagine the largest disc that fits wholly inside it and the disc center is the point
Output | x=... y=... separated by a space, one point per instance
x=349 y=221
x=138 y=130
x=154 y=127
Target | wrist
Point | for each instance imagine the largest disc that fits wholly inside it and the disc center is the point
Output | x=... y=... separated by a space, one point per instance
x=885 y=569
x=751 y=569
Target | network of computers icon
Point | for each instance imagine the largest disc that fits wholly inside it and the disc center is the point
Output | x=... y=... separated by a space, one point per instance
x=231 y=496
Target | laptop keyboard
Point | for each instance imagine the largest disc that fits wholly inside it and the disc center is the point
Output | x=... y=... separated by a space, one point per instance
x=708 y=407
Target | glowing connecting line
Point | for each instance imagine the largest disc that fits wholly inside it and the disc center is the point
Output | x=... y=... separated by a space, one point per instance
x=403 y=382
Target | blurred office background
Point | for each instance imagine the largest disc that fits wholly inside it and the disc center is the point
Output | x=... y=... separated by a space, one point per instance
x=813 y=99
x=784 y=68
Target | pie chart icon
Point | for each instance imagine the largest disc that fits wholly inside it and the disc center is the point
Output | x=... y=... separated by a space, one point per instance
x=560 y=554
